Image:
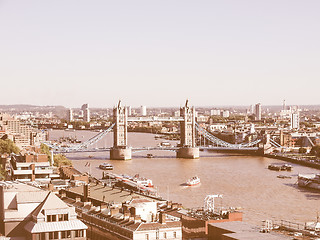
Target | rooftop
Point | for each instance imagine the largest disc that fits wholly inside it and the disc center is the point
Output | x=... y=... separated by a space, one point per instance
x=109 y=194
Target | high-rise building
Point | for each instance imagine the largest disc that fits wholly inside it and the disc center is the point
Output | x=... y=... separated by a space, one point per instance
x=143 y=111
x=215 y=112
x=86 y=112
x=225 y=114
x=129 y=111
x=70 y=115
x=294 y=120
x=258 y=112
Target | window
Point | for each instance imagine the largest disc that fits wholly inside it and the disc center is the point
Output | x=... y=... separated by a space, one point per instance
x=78 y=233
x=147 y=236
x=62 y=217
x=175 y=234
x=164 y=235
x=51 y=218
x=43 y=236
x=36 y=236
x=53 y=235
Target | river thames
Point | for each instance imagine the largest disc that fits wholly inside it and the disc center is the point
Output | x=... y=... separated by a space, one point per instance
x=244 y=181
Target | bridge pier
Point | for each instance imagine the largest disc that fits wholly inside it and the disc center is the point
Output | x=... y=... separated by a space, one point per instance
x=120 y=153
x=188 y=152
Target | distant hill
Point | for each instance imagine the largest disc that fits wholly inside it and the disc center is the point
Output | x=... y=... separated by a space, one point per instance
x=19 y=108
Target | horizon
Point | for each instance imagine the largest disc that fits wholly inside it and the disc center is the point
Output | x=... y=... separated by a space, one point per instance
x=152 y=107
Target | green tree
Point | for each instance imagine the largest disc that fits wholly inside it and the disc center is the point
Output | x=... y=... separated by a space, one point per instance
x=315 y=150
x=3 y=173
x=45 y=150
x=8 y=146
x=61 y=160
x=302 y=150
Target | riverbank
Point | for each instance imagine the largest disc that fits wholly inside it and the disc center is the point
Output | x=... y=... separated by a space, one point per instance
x=300 y=161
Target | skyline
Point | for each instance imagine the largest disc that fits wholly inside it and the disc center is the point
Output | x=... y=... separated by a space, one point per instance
x=70 y=53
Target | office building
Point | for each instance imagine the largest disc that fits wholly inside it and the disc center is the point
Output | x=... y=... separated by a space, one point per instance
x=215 y=112
x=225 y=114
x=70 y=115
x=258 y=112
x=295 y=120
x=31 y=167
x=129 y=111
x=86 y=112
x=143 y=111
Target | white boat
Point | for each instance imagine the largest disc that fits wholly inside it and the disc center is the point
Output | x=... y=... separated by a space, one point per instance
x=141 y=181
x=193 y=181
x=309 y=181
x=106 y=166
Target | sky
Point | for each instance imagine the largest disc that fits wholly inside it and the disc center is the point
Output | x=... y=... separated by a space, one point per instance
x=159 y=53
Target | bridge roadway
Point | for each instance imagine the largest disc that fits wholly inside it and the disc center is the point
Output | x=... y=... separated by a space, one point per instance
x=175 y=149
x=155 y=119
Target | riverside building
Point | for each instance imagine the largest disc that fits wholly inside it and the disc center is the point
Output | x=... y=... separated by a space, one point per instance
x=29 y=213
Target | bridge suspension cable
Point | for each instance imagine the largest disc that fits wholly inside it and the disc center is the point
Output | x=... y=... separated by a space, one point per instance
x=222 y=143
x=83 y=145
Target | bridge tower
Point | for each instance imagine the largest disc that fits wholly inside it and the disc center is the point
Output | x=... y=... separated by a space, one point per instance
x=120 y=150
x=188 y=147
x=265 y=146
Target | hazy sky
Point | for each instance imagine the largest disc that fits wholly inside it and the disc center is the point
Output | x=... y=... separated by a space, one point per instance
x=158 y=53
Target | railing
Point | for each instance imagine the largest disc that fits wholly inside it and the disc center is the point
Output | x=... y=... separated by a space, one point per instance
x=155 y=119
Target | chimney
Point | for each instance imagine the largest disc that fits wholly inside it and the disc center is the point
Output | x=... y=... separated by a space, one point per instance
x=175 y=205
x=50 y=187
x=169 y=204
x=86 y=192
x=33 y=176
x=78 y=199
x=63 y=193
x=126 y=214
x=137 y=219
x=103 y=206
x=162 y=218
x=114 y=211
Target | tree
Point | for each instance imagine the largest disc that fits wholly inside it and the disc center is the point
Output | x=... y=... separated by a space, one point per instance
x=45 y=150
x=3 y=173
x=315 y=150
x=8 y=146
x=302 y=150
x=61 y=160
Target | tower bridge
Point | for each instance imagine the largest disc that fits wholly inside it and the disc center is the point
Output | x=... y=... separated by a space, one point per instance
x=187 y=148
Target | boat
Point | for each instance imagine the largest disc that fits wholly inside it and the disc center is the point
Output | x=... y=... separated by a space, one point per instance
x=141 y=181
x=193 y=181
x=106 y=166
x=165 y=144
x=283 y=176
x=309 y=181
x=149 y=155
x=280 y=167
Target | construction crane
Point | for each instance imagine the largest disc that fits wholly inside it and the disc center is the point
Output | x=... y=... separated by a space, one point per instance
x=209 y=202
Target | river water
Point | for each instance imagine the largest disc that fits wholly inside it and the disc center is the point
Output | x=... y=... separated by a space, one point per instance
x=244 y=181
